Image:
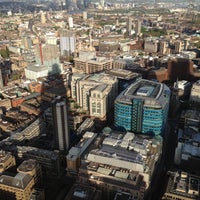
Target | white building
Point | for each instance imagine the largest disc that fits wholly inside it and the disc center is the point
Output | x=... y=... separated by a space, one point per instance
x=51 y=38
x=70 y=22
x=67 y=42
x=99 y=101
x=35 y=71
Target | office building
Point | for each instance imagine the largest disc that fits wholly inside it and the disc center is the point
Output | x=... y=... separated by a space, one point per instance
x=179 y=68
x=32 y=168
x=43 y=18
x=100 y=100
x=151 y=45
x=95 y=93
x=6 y=161
x=16 y=187
x=125 y=77
x=164 y=46
x=187 y=150
x=49 y=160
x=130 y=25
x=143 y=107
x=70 y=22
x=195 y=93
x=84 y=15
x=83 y=192
x=92 y=65
x=75 y=154
x=51 y=38
x=121 y=162
x=33 y=72
x=60 y=122
x=182 y=186
x=26 y=41
x=47 y=55
x=67 y=42
x=138 y=27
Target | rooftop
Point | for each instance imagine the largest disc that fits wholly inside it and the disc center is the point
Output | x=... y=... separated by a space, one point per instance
x=183 y=185
x=122 y=73
x=20 y=180
x=153 y=93
x=27 y=165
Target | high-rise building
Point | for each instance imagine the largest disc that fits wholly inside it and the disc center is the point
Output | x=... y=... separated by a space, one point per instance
x=143 y=107
x=137 y=27
x=43 y=17
x=48 y=56
x=130 y=25
x=70 y=22
x=26 y=41
x=67 y=42
x=60 y=121
x=85 y=15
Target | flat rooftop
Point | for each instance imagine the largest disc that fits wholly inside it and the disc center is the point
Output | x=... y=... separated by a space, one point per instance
x=143 y=88
x=122 y=73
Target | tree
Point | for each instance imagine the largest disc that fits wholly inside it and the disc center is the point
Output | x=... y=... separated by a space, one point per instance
x=5 y=53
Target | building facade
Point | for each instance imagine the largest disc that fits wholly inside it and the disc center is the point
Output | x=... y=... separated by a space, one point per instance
x=195 y=93
x=60 y=121
x=94 y=93
x=67 y=42
x=18 y=187
x=143 y=107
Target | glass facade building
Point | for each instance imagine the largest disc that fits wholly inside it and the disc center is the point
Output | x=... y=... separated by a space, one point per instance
x=143 y=107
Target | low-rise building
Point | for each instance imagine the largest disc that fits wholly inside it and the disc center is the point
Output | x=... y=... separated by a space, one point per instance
x=83 y=192
x=6 y=103
x=125 y=77
x=16 y=187
x=195 y=93
x=31 y=167
x=75 y=153
x=122 y=162
x=94 y=93
x=49 y=160
x=7 y=160
x=93 y=65
x=182 y=186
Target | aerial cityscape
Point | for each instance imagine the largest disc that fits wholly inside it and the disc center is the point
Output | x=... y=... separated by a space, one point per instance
x=99 y=100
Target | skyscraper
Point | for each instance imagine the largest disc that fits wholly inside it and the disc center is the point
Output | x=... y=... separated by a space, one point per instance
x=143 y=107
x=60 y=122
x=67 y=42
